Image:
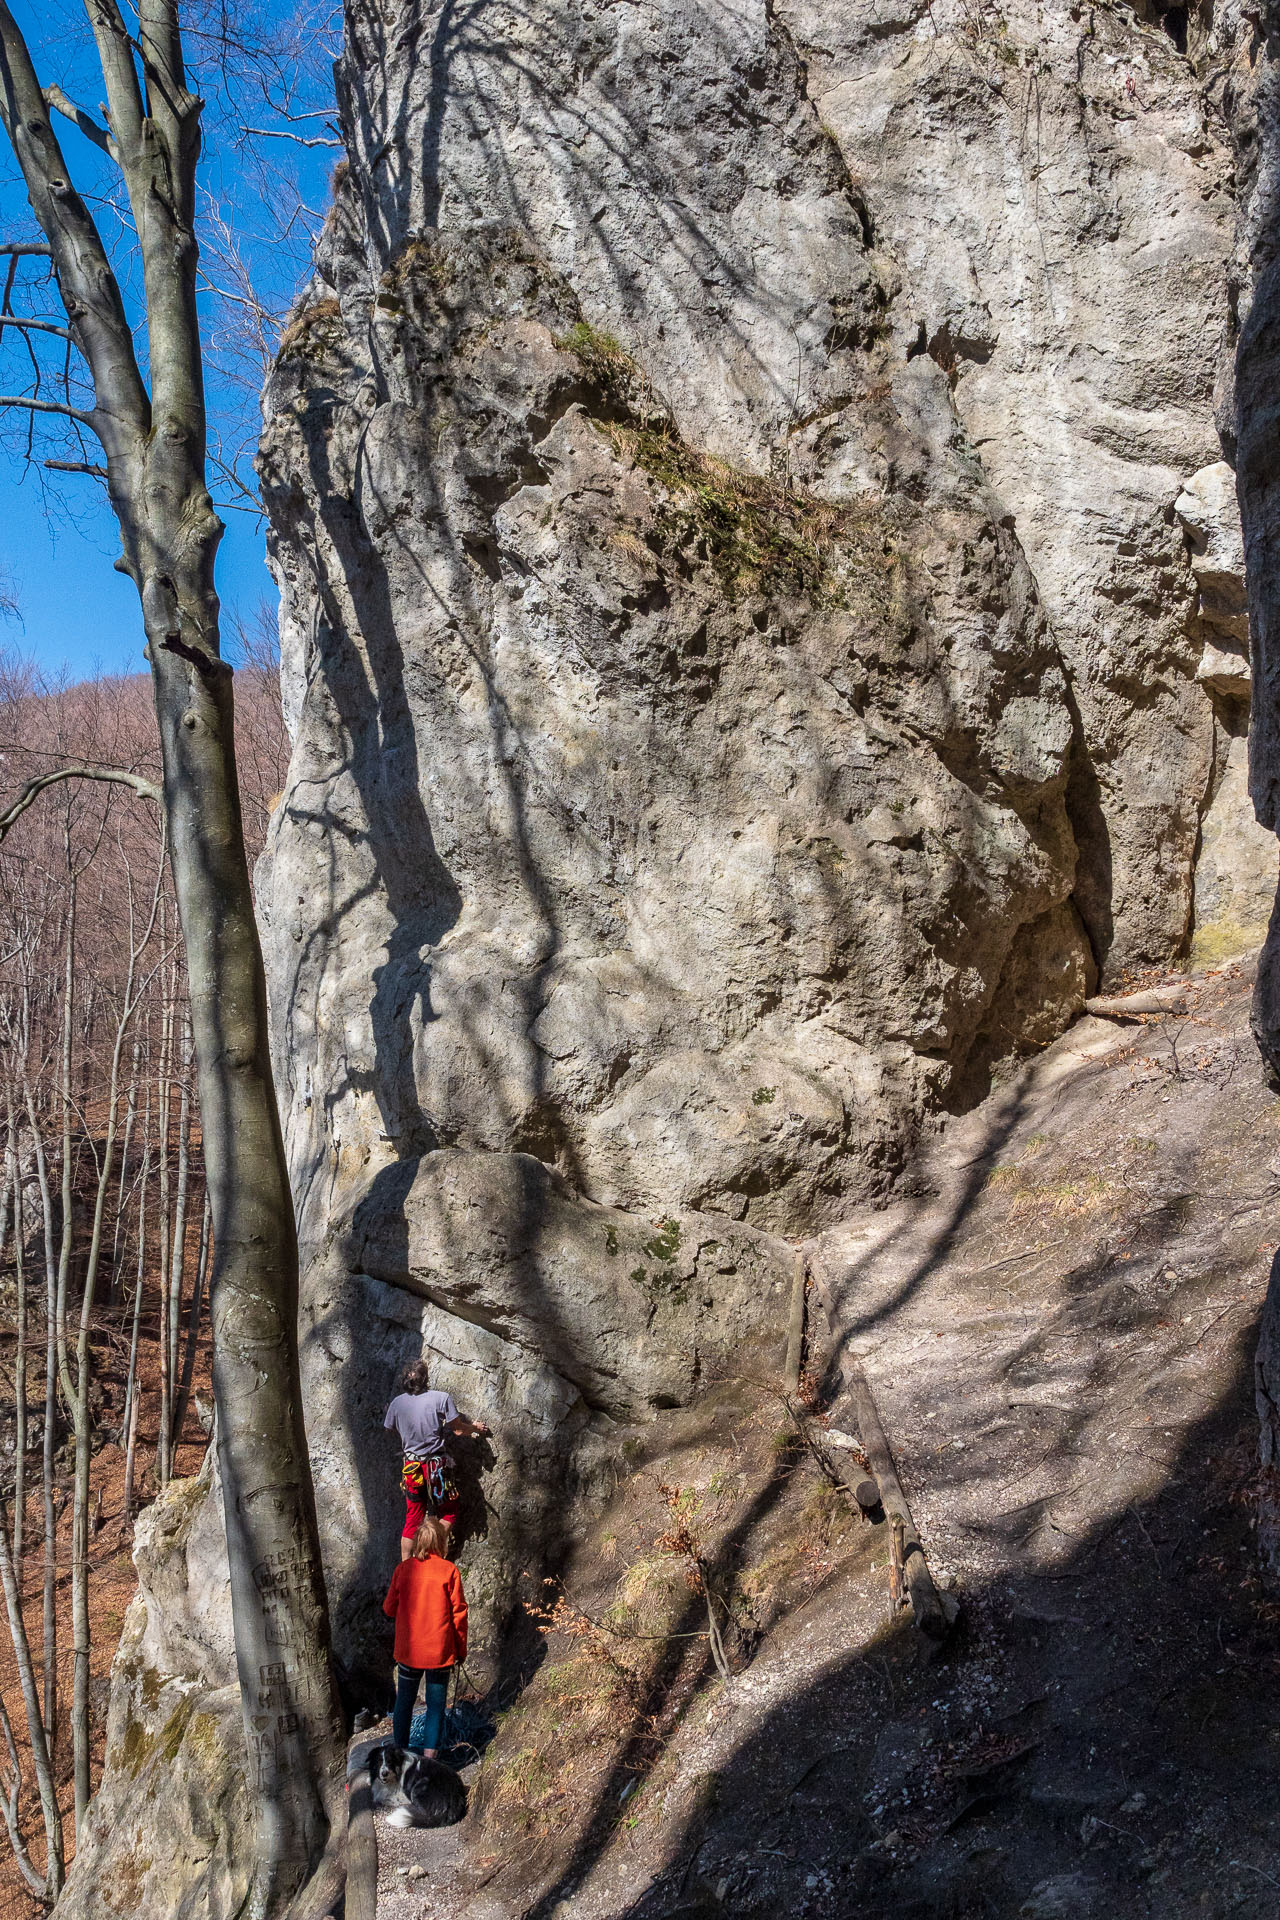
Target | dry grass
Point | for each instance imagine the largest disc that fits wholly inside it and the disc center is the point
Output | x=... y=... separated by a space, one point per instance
x=1070 y=1194
x=627 y=1654
x=760 y=536
x=602 y=357
x=757 y=534
x=304 y=324
x=554 y=1741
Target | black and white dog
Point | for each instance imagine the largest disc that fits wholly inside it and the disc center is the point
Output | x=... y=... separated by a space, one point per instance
x=414 y=1791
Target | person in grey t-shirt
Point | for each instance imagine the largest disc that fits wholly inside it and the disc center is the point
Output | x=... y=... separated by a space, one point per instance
x=424 y=1419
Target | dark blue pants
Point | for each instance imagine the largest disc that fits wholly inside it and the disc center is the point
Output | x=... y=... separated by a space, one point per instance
x=437 y=1687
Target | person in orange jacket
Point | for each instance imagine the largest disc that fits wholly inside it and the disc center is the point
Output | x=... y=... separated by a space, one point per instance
x=426 y=1601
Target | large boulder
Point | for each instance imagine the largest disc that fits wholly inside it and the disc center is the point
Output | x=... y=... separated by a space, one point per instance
x=679 y=805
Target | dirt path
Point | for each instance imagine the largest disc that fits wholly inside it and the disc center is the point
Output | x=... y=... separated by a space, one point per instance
x=1046 y=1330
x=412 y=1863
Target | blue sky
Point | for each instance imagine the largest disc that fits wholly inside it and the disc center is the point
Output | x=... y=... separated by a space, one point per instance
x=75 y=614
x=264 y=197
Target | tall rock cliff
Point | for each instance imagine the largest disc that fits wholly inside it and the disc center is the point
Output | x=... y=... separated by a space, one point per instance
x=1252 y=83
x=680 y=805
x=763 y=636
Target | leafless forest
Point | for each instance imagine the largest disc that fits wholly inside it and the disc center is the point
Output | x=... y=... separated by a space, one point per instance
x=104 y=1226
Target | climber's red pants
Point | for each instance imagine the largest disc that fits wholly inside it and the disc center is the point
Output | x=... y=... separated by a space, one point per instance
x=416 y=1511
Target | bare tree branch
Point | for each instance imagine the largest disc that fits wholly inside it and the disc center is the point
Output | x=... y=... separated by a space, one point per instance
x=115 y=54
x=76 y=466
x=318 y=113
x=46 y=406
x=35 y=326
x=40 y=247
x=281 y=133
x=115 y=776
x=85 y=122
x=86 y=280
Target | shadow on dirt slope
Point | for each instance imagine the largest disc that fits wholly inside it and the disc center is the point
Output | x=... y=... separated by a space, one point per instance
x=1059 y=1332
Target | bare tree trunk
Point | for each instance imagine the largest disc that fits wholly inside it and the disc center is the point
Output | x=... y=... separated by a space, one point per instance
x=154 y=444
x=75 y=1390
x=65 y=1101
x=19 y=1364
x=79 y=1396
x=49 y=1640
x=49 y=1656
x=37 y=1881
x=277 y=1588
x=178 y=1257
x=193 y=1323
x=131 y=1443
x=132 y=1392
x=165 y=1228
x=36 y=1725
x=130 y=1116
x=63 y=1369
x=10 y=1170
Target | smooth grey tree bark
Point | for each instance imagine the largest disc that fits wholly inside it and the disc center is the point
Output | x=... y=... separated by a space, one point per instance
x=165 y=1223
x=129 y=1424
x=41 y=1755
x=154 y=443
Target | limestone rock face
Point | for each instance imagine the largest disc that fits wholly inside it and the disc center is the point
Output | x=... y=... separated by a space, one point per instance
x=691 y=768
x=679 y=804
x=1059 y=201
x=1210 y=517
x=1236 y=865
x=1239 y=861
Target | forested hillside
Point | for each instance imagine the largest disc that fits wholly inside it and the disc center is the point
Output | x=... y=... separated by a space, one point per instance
x=104 y=1224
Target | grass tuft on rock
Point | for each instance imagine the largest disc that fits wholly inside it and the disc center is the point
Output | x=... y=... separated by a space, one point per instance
x=602 y=357
x=303 y=324
x=760 y=536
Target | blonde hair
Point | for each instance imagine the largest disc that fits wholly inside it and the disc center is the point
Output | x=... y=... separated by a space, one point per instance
x=432 y=1537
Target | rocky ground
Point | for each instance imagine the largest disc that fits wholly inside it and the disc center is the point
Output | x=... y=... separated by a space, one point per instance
x=1058 y=1327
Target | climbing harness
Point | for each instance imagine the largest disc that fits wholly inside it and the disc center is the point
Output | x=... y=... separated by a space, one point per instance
x=430 y=1482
